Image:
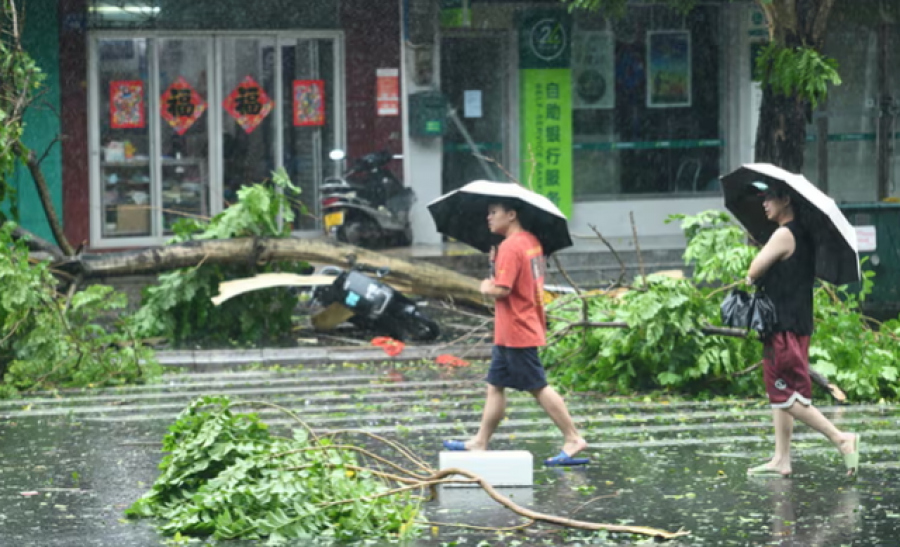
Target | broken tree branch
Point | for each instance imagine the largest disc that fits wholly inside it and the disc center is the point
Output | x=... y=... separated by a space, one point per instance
x=422 y=278
x=37 y=243
x=40 y=183
x=637 y=247
x=615 y=254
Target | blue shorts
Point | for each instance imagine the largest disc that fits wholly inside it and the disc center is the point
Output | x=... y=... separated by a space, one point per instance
x=516 y=368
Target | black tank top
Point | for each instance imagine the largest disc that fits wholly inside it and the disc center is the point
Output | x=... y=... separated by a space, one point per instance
x=789 y=283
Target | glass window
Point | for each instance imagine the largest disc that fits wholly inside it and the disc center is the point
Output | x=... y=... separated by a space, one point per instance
x=308 y=117
x=852 y=116
x=125 y=171
x=184 y=121
x=248 y=124
x=646 y=103
x=184 y=129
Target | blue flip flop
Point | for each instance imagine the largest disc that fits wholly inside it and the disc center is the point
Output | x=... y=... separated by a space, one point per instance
x=564 y=460
x=455 y=446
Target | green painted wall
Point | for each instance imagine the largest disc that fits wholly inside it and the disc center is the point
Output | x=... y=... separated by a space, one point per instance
x=42 y=124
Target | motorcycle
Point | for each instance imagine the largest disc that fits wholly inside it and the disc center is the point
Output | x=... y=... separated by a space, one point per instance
x=367 y=206
x=376 y=306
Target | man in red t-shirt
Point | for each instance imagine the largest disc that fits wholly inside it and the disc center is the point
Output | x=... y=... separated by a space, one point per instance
x=517 y=285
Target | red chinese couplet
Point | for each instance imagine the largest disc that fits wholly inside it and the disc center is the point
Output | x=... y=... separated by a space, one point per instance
x=309 y=102
x=126 y=104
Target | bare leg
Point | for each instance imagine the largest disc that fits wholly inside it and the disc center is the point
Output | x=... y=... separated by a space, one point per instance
x=810 y=415
x=555 y=407
x=784 y=428
x=494 y=410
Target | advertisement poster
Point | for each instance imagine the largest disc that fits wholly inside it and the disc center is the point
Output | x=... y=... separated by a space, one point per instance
x=126 y=104
x=309 y=103
x=388 y=91
x=546 y=105
x=593 y=70
x=669 y=69
x=248 y=104
x=181 y=105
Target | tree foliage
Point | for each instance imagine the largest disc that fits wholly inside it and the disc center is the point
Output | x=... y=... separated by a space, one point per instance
x=20 y=81
x=664 y=348
x=50 y=341
x=179 y=308
x=800 y=72
x=226 y=476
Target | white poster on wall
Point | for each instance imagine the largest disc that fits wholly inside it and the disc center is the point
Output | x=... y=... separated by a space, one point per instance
x=472 y=103
x=593 y=70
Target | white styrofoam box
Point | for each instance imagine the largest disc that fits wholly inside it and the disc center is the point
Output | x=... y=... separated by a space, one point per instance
x=478 y=501
x=497 y=467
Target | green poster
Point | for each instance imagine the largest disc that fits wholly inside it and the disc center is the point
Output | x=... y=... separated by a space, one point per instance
x=546 y=105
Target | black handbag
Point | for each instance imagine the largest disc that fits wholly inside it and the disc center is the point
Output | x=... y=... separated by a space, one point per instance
x=755 y=311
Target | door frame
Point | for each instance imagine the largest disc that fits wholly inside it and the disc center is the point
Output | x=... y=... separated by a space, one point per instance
x=213 y=119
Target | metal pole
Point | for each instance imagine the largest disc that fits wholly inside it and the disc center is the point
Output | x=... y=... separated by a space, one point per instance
x=469 y=141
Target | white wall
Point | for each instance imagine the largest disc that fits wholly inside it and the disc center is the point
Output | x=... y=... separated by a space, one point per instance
x=422 y=157
x=612 y=219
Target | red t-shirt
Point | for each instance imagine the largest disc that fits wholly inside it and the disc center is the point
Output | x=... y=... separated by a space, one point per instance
x=519 y=267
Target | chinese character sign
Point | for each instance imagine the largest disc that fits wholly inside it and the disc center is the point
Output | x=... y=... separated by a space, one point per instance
x=309 y=102
x=249 y=104
x=546 y=106
x=181 y=105
x=126 y=104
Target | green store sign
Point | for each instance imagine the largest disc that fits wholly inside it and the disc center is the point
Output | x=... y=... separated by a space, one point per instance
x=546 y=104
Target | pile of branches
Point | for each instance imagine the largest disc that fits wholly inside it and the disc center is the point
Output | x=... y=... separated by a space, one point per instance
x=226 y=476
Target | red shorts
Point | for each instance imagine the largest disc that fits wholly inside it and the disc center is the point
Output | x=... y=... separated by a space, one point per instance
x=786 y=369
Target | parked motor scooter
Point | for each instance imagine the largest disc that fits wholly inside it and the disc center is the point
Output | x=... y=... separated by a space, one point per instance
x=376 y=306
x=367 y=206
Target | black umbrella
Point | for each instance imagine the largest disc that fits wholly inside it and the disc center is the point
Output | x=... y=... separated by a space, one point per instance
x=837 y=259
x=462 y=215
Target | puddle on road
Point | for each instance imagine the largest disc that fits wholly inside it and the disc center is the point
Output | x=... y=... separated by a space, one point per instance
x=85 y=474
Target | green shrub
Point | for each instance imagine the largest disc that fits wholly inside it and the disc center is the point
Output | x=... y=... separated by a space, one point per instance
x=48 y=344
x=665 y=349
x=179 y=308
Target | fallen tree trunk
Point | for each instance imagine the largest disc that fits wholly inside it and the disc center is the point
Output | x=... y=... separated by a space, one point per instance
x=422 y=278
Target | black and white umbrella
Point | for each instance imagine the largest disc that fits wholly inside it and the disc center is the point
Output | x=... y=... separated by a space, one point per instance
x=462 y=215
x=837 y=258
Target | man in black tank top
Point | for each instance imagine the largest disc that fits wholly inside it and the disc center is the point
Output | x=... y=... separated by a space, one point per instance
x=785 y=272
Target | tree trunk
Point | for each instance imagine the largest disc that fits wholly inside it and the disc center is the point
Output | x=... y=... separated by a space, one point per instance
x=422 y=278
x=781 y=133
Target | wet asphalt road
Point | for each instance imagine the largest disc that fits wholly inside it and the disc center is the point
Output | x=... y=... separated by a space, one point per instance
x=669 y=465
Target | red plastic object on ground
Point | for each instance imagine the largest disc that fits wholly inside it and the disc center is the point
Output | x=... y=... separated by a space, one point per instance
x=451 y=361
x=389 y=345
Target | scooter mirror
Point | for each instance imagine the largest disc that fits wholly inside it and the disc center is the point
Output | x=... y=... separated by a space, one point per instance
x=337 y=154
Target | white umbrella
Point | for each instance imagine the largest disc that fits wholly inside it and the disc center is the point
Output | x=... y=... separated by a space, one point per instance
x=837 y=258
x=462 y=215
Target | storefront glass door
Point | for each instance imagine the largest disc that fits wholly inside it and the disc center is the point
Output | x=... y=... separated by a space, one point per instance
x=474 y=77
x=183 y=149
x=180 y=122
x=249 y=128
x=308 y=116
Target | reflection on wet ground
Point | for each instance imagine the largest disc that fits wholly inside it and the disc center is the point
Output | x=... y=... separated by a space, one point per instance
x=72 y=462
